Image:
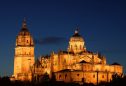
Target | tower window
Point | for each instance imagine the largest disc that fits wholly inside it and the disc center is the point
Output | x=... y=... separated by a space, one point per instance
x=94 y=76
x=76 y=47
x=27 y=41
x=83 y=79
x=65 y=76
x=80 y=46
x=59 y=76
x=64 y=61
x=102 y=76
x=77 y=74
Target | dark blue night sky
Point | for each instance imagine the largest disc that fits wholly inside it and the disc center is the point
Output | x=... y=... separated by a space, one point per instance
x=102 y=24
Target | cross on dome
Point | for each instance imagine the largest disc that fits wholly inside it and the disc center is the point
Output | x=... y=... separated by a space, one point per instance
x=24 y=25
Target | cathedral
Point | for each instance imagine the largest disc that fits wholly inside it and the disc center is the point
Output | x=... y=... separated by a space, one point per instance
x=76 y=64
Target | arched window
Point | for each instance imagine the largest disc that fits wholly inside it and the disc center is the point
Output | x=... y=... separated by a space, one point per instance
x=64 y=61
x=65 y=76
x=59 y=76
x=80 y=47
x=102 y=76
x=75 y=46
x=77 y=74
x=94 y=76
x=71 y=46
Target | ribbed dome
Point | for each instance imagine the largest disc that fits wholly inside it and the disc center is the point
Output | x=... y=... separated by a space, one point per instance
x=76 y=43
x=24 y=37
x=76 y=37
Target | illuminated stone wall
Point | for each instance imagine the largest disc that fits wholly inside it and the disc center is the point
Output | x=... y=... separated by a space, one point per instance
x=84 y=76
x=46 y=64
x=66 y=60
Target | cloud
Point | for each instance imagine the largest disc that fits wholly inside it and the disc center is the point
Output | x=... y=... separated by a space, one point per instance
x=50 y=40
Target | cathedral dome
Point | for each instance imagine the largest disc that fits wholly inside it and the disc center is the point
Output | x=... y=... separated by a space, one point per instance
x=76 y=37
x=76 y=43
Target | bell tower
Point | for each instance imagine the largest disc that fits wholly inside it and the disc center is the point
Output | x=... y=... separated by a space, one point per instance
x=24 y=53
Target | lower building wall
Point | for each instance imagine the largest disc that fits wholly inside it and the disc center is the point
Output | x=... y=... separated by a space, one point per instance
x=23 y=76
x=84 y=77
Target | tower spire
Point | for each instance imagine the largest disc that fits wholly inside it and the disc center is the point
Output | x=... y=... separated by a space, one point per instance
x=24 y=25
x=77 y=30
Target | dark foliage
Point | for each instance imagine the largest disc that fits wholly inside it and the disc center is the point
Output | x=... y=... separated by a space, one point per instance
x=45 y=81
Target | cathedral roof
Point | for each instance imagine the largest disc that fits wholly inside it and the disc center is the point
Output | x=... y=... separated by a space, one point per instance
x=24 y=29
